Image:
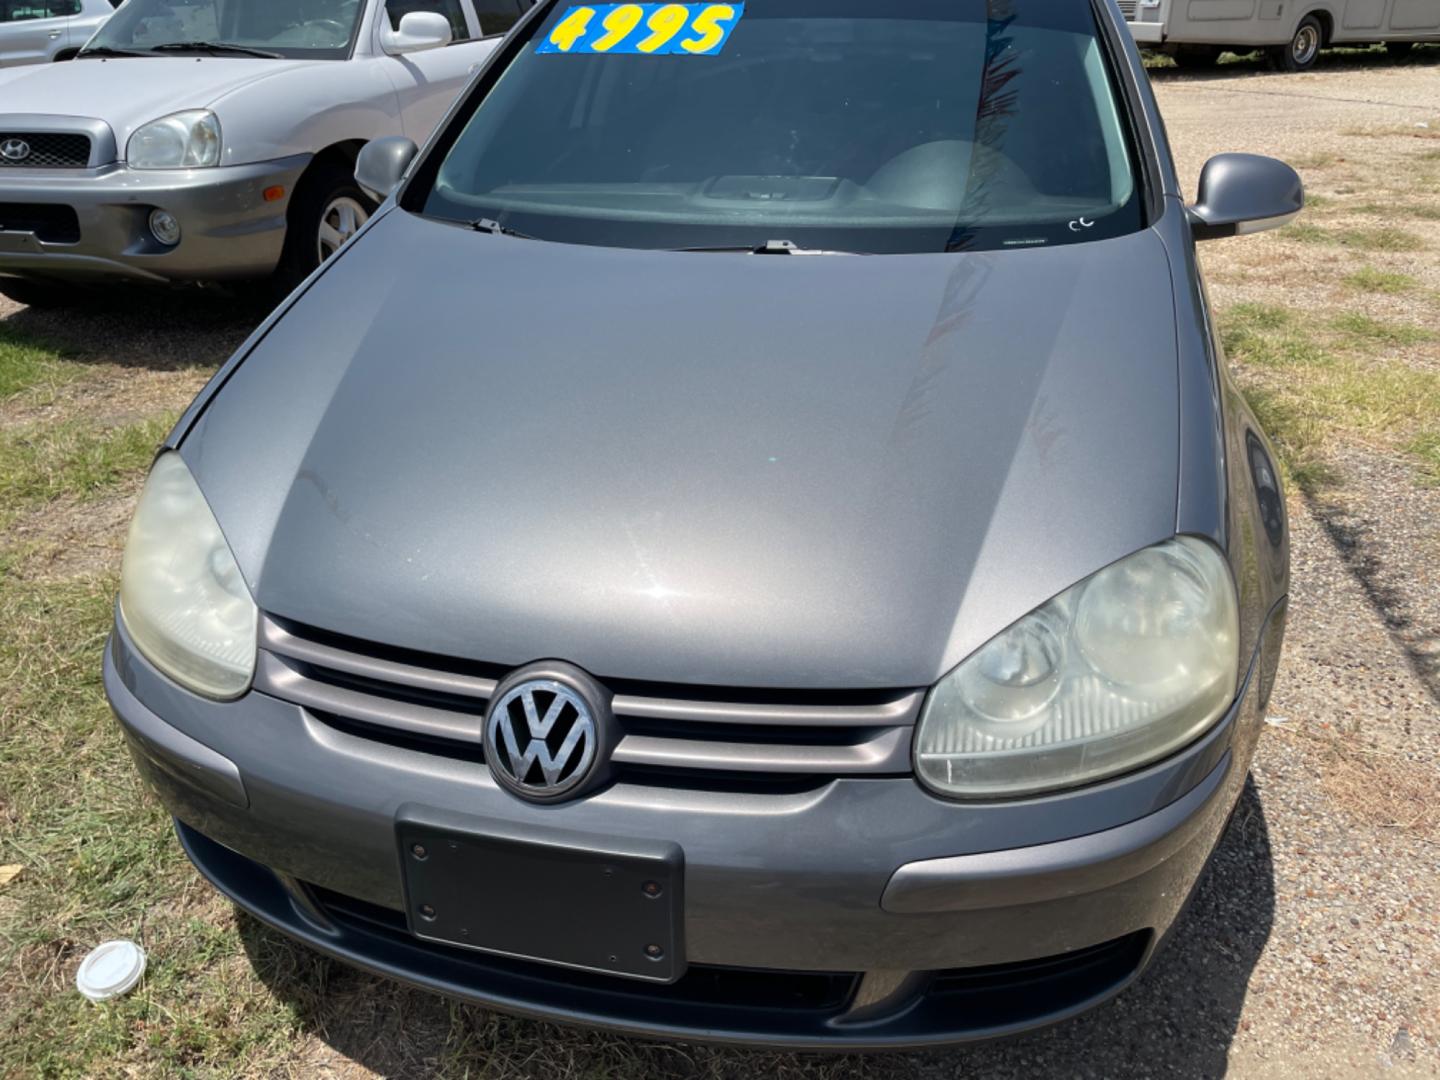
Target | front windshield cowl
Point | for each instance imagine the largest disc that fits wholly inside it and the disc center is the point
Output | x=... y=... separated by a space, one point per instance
x=258 y=29
x=839 y=125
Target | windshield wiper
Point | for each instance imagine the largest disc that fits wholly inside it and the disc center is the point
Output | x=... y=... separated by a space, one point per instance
x=491 y=227
x=770 y=247
x=215 y=47
x=108 y=50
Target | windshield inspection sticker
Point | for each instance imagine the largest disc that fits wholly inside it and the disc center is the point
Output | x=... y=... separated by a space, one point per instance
x=643 y=29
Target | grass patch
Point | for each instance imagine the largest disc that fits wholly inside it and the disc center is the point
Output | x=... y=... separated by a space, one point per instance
x=1319 y=160
x=1426 y=447
x=1423 y=211
x=1269 y=336
x=39 y=464
x=1304 y=232
x=1370 y=280
x=27 y=364
x=1308 y=391
x=1385 y=238
x=1363 y=328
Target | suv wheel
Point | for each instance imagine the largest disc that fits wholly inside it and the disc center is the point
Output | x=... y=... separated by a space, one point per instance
x=328 y=209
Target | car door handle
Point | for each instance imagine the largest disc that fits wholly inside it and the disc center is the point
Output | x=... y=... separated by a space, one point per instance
x=55 y=34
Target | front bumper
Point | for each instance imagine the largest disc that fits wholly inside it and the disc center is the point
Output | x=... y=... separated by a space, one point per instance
x=228 y=230
x=880 y=916
x=1147 y=33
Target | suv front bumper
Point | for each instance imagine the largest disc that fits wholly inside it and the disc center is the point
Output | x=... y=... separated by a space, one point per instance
x=880 y=915
x=228 y=229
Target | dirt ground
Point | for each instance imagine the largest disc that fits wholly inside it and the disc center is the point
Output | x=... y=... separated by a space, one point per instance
x=1312 y=947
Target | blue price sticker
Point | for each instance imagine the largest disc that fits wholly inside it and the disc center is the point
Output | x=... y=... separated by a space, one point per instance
x=643 y=29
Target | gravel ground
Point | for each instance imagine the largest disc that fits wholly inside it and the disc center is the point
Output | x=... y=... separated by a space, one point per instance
x=1311 y=945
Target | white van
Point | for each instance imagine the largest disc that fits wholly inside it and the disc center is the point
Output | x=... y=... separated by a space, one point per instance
x=1196 y=32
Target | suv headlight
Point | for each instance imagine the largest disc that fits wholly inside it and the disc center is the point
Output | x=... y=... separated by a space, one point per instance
x=1117 y=672
x=182 y=598
x=186 y=140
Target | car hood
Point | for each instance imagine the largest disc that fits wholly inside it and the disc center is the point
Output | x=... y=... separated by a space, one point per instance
x=703 y=468
x=132 y=91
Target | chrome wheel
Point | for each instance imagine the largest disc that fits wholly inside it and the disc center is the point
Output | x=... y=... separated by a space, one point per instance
x=340 y=221
x=1305 y=45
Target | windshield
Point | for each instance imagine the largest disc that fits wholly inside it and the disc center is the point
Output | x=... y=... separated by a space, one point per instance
x=301 y=29
x=904 y=126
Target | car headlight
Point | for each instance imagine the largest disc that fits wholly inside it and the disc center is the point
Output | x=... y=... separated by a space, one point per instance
x=1119 y=671
x=186 y=140
x=182 y=598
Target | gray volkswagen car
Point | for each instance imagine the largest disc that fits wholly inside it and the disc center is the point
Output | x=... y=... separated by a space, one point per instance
x=755 y=540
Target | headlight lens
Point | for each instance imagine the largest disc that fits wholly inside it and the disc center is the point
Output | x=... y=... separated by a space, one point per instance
x=1121 y=670
x=182 y=598
x=186 y=140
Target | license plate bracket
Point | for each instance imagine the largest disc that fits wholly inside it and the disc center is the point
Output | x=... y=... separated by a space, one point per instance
x=547 y=895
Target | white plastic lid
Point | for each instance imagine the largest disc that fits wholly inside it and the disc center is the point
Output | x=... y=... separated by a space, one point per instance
x=110 y=970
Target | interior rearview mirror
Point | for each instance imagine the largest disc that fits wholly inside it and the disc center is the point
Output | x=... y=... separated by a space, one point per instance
x=1245 y=193
x=419 y=30
x=382 y=164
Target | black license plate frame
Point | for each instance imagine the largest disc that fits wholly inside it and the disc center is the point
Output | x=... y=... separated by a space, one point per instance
x=550 y=896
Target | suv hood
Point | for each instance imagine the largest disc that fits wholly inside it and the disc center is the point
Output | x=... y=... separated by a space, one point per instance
x=132 y=91
x=700 y=468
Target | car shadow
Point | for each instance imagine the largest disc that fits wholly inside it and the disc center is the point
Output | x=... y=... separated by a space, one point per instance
x=1179 y=1018
x=1329 y=61
x=156 y=329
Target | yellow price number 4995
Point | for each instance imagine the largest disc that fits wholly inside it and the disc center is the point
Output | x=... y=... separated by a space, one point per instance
x=644 y=29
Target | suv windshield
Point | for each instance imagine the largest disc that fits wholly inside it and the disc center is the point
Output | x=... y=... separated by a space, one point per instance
x=902 y=126
x=300 y=29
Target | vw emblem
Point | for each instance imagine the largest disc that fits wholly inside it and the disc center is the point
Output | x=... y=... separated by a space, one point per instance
x=543 y=735
x=14 y=149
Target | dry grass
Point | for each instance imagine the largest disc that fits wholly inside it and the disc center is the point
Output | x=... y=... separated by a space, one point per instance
x=1374 y=787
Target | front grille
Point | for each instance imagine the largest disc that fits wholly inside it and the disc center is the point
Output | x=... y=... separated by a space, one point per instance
x=51 y=223
x=684 y=736
x=702 y=984
x=1127 y=8
x=995 y=995
x=47 y=150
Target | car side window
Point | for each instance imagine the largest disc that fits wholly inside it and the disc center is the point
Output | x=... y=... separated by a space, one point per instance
x=498 y=16
x=398 y=9
x=64 y=7
x=22 y=10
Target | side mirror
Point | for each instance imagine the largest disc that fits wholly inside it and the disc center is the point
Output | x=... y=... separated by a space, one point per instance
x=382 y=164
x=419 y=30
x=1245 y=193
